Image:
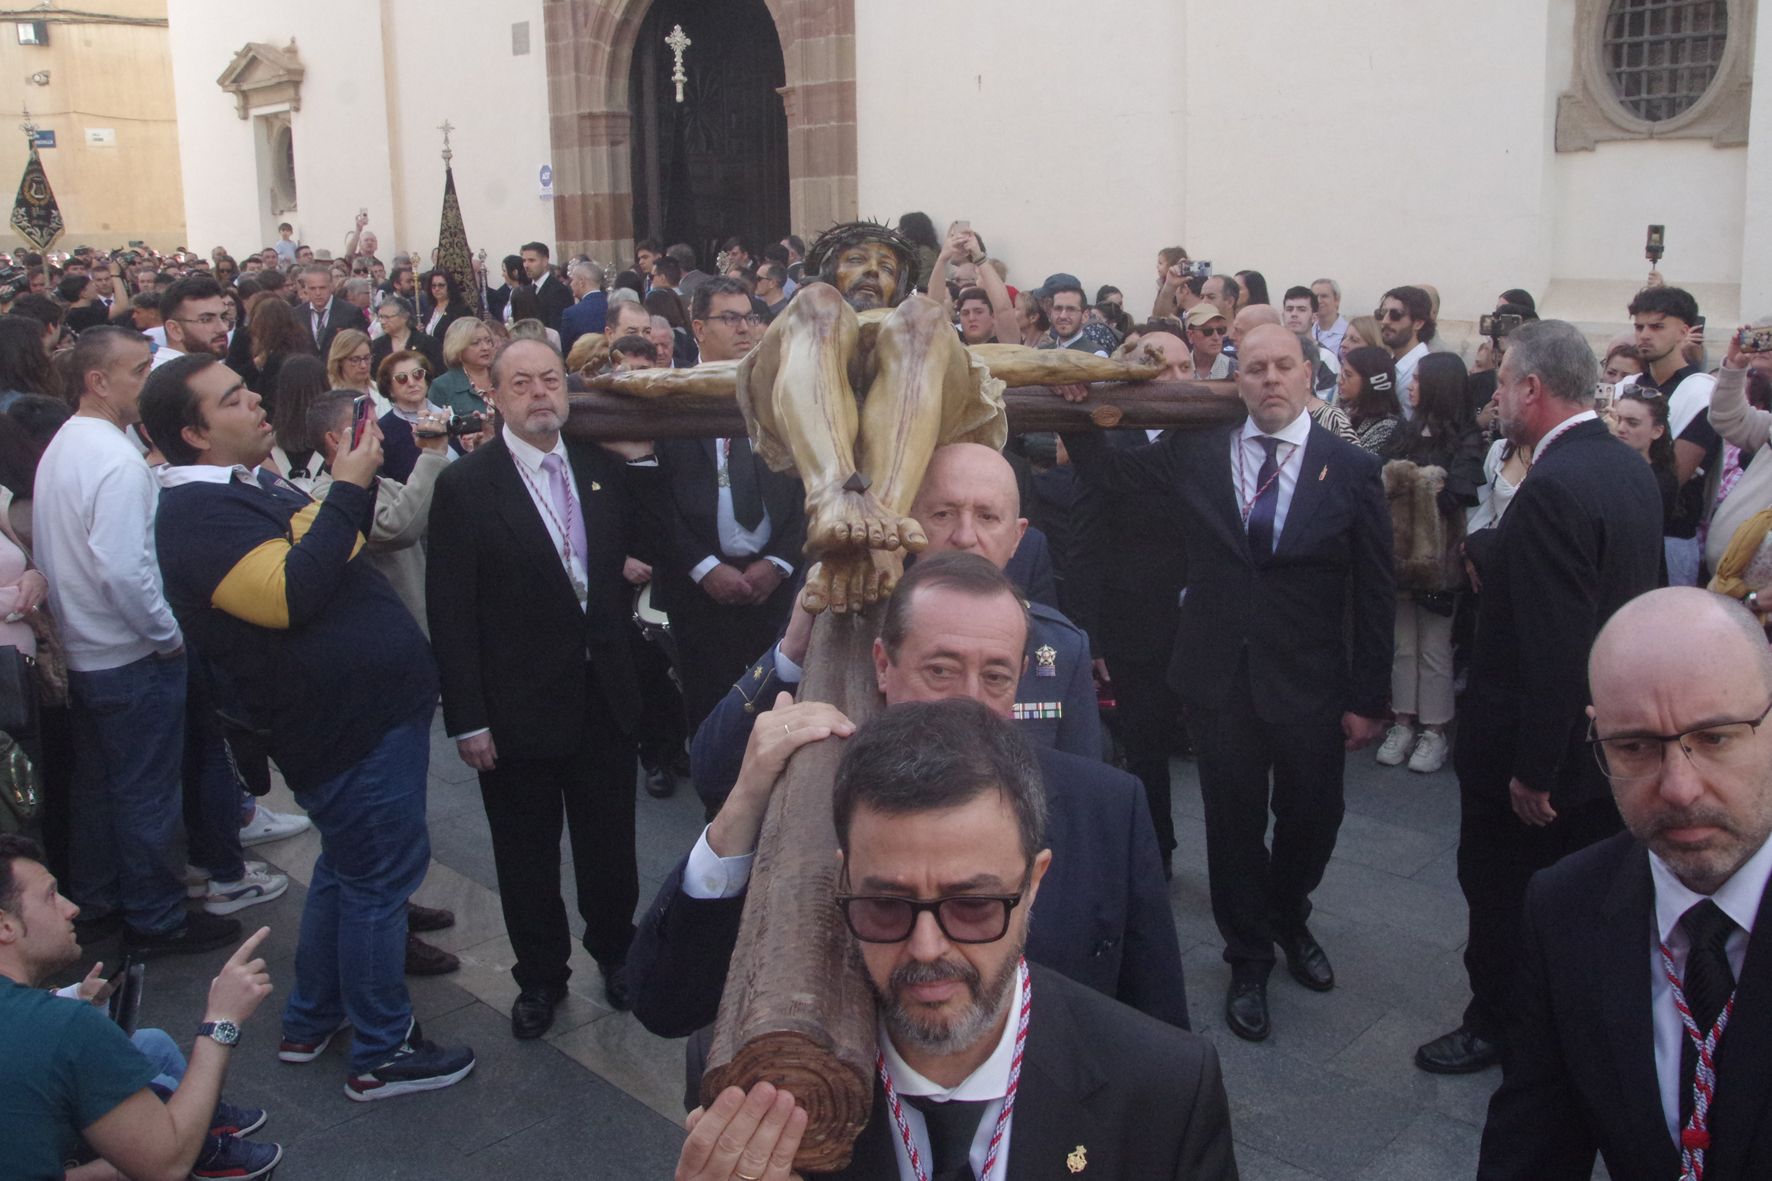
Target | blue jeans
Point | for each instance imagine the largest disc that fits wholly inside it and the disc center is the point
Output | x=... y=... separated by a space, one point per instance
x=129 y=727
x=350 y=961
x=162 y=1052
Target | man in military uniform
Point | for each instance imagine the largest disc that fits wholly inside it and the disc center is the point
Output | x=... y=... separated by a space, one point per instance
x=968 y=503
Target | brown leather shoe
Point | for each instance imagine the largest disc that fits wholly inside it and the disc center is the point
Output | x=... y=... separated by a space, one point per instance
x=428 y=918
x=422 y=959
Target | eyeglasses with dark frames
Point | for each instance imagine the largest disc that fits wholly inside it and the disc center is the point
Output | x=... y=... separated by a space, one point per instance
x=963 y=918
x=1715 y=746
x=1391 y=314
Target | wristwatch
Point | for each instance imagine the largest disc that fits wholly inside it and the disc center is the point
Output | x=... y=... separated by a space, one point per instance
x=223 y=1033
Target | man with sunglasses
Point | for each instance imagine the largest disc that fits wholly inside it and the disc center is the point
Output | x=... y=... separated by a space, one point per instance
x=944 y=835
x=1581 y=538
x=1635 y=951
x=955 y=627
x=1206 y=332
x=1405 y=325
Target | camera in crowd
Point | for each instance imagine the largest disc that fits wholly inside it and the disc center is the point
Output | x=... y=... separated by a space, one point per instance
x=1755 y=340
x=1498 y=326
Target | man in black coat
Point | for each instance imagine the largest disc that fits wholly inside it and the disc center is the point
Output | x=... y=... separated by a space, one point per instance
x=935 y=802
x=550 y=289
x=1581 y=537
x=528 y=612
x=322 y=314
x=1597 y=1056
x=1286 y=535
x=953 y=628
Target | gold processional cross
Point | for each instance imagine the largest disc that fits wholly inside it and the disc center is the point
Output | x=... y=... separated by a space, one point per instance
x=678 y=43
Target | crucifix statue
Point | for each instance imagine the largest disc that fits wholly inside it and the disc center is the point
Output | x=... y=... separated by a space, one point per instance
x=678 y=43
x=852 y=387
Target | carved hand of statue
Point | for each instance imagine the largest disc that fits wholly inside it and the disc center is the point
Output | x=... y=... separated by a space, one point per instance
x=850 y=582
x=841 y=520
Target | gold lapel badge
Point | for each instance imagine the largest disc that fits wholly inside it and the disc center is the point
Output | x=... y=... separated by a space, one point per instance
x=596 y=487
x=1078 y=1160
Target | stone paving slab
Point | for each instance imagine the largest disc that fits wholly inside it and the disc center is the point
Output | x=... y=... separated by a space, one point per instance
x=1331 y=1095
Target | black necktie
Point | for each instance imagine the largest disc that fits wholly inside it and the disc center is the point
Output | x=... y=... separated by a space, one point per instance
x=952 y=1127
x=1708 y=982
x=741 y=473
x=1267 y=499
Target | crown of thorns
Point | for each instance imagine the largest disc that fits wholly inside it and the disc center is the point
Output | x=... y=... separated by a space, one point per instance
x=821 y=258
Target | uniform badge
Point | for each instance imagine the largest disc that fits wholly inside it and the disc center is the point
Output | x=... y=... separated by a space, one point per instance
x=596 y=487
x=1045 y=661
x=1078 y=1160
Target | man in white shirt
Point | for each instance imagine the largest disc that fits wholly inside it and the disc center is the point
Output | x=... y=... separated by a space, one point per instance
x=94 y=504
x=1405 y=324
x=1627 y=939
x=1330 y=326
x=941 y=817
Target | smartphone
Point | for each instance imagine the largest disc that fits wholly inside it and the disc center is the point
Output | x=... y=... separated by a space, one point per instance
x=1755 y=340
x=1656 y=244
x=962 y=227
x=360 y=423
x=1699 y=324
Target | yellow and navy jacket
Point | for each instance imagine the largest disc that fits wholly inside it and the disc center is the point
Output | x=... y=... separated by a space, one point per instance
x=309 y=643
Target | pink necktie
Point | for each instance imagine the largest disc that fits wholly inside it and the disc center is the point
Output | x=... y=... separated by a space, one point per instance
x=570 y=519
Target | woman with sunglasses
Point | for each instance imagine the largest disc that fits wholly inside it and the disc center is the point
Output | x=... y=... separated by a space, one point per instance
x=1640 y=422
x=446 y=302
x=404 y=379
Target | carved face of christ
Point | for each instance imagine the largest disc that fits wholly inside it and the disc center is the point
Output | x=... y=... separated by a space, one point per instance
x=868 y=275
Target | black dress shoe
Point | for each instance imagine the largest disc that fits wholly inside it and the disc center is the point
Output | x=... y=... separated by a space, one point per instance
x=1245 y=1011
x=424 y=959
x=615 y=985
x=1306 y=961
x=533 y=1012
x=660 y=783
x=1462 y=1051
x=428 y=918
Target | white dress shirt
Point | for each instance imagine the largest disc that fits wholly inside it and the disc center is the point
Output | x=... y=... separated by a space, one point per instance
x=1247 y=456
x=989 y=1083
x=735 y=540
x=540 y=487
x=1739 y=898
x=1558 y=431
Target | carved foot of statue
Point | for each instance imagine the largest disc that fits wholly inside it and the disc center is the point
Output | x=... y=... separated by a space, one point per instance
x=850 y=582
x=847 y=520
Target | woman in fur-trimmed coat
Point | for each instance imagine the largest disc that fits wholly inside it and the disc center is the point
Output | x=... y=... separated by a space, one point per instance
x=1434 y=469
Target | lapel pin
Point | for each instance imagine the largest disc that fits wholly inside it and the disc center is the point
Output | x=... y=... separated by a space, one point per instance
x=1324 y=474
x=1078 y=1160
x=596 y=487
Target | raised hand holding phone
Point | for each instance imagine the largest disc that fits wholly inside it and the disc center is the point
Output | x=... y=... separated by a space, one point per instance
x=361 y=459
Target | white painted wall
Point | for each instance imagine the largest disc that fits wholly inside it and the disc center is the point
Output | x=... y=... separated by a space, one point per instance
x=1374 y=143
x=365 y=135
x=1756 y=246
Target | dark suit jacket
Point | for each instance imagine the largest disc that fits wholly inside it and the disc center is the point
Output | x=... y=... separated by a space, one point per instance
x=1102 y=917
x=1283 y=612
x=1580 y=1064
x=80 y=319
x=418 y=341
x=691 y=503
x=1138 y=1099
x=1030 y=568
x=1128 y=565
x=1581 y=538
x=340 y=314
x=589 y=314
x=555 y=298
x=510 y=640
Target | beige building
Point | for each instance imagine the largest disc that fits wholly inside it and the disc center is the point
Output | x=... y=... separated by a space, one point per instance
x=100 y=79
x=1518 y=143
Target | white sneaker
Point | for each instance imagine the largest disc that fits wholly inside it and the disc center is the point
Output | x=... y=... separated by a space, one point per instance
x=255 y=887
x=197 y=878
x=1395 y=747
x=1430 y=753
x=267 y=825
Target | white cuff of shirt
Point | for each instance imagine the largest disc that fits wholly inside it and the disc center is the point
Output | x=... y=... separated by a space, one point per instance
x=72 y=991
x=787 y=570
x=703 y=568
x=710 y=876
x=786 y=670
x=471 y=734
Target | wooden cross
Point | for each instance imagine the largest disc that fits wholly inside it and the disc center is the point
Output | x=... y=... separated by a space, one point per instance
x=678 y=43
